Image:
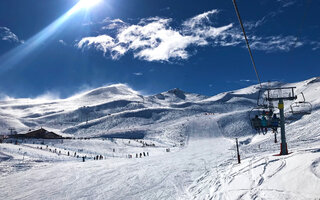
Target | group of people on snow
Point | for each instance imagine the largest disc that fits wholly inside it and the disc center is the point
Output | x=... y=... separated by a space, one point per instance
x=144 y=154
x=268 y=120
x=98 y=157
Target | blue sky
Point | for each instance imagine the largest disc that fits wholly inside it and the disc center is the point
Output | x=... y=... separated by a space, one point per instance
x=154 y=46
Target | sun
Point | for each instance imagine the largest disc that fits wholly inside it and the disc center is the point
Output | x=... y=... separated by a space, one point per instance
x=88 y=3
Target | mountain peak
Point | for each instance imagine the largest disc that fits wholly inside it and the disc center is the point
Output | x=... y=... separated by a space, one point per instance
x=115 y=89
x=178 y=93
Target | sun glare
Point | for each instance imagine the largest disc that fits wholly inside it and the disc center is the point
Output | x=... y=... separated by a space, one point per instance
x=88 y=3
x=17 y=54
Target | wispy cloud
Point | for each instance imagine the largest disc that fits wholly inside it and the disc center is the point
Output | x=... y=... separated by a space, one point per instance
x=110 y=24
x=104 y=43
x=275 y=43
x=62 y=42
x=287 y=3
x=7 y=35
x=165 y=9
x=283 y=4
x=247 y=80
x=249 y=25
x=138 y=73
x=315 y=45
x=155 y=39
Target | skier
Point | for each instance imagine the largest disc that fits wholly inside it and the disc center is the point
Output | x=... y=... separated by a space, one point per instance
x=275 y=123
x=264 y=113
x=264 y=123
x=256 y=122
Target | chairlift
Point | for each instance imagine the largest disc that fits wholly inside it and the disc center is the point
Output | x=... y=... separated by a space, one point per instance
x=261 y=101
x=260 y=111
x=301 y=107
x=263 y=108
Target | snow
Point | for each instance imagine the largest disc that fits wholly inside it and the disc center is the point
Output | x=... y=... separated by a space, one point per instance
x=164 y=176
x=187 y=152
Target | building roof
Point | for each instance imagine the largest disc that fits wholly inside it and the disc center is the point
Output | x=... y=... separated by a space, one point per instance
x=40 y=133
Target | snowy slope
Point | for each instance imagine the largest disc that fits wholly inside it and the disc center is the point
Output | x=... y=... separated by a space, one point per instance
x=118 y=109
x=198 y=130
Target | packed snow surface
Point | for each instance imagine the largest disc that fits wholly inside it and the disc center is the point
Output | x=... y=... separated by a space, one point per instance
x=174 y=145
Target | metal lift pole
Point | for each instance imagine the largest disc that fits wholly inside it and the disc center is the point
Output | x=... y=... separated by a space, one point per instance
x=281 y=99
x=238 y=154
x=284 y=148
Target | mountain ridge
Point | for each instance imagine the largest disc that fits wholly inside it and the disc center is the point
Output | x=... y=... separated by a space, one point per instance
x=163 y=116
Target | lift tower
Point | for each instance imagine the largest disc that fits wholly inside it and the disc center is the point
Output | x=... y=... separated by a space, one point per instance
x=281 y=94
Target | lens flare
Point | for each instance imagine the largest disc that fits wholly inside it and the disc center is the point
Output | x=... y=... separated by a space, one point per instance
x=88 y=3
x=17 y=54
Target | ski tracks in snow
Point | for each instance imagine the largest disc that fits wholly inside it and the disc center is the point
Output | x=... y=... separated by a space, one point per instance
x=4 y=157
x=315 y=167
x=221 y=179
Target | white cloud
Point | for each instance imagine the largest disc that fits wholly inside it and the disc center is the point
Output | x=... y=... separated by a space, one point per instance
x=110 y=24
x=62 y=42
x=287 y=3
x=283 y=4
x=7 y=35
x=247 y=80
x=234 y=37
x=104 y=43
x=153 y=39
x=315 y=45
x=263 y=20
x=138 y=73
x=199 y=20
x=165 y=9
x=275 y=43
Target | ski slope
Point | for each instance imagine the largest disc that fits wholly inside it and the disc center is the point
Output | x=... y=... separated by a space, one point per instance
x=198 y=131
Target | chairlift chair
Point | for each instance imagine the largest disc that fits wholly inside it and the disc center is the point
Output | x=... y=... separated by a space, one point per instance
x=261 y=100
x=301 y=107
x=263 y=106
x=259 y=111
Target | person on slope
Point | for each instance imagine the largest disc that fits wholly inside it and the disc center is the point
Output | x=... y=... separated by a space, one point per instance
x=264 y=124
x=275 y=123
x=256 y=123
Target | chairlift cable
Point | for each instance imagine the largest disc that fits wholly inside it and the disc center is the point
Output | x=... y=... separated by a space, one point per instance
x=247 y=42
x=302 y=22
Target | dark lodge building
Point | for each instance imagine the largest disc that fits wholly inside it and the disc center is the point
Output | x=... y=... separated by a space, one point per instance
x=38 y=134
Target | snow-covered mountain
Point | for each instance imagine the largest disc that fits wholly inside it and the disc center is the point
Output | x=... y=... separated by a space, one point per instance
x=197 y=130
x=118 y=109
